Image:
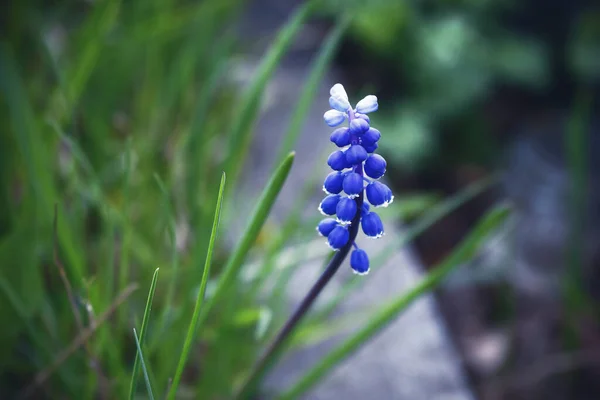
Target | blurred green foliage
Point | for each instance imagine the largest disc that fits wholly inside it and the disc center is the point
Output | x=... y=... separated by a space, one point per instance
x=121 y=113
x=449 y=57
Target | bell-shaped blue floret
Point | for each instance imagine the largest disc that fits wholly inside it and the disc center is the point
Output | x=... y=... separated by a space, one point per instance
x=337 y=160
x=370 y=137
x=334 y=183
x=329 y=204
x=356 y=154
x=334 y=117
x=326 y=226
x=358 y=126
x=346 y=210
x=378 y=194
x=338 y=237
x=359 y=261
x=371 y=225
x=371 y=148
x=367 y=105
x=353 y=184
x=375 y=166
x=341 y=137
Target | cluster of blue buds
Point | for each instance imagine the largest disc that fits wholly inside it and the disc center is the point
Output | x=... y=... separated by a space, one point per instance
x=356 y=170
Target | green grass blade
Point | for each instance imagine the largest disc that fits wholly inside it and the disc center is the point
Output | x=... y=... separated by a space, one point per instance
x=141 y=356
x=318 y=69
x=241 y=133
x=467 y=248
x=187 y=347
x=259 y=216
x=138 y=355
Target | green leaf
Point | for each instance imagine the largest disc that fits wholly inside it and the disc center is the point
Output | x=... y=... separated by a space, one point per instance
x=138 y=355
x=259 y=216
x=139 y=352
x=195 y=322
x=467 y=249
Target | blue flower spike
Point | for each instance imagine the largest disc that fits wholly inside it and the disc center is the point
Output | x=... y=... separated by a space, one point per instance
x=354 y=181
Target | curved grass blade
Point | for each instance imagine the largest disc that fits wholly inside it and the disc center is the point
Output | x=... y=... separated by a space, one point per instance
x=241 y=133
x=144 y=329
x=388 y=313
x=141 y=356
x=187 y=346
x=259 y=216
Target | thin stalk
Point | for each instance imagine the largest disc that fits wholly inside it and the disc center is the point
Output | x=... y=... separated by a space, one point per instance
x=273 y=350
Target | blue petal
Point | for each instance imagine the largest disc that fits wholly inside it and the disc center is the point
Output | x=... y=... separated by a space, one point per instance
x=353 y=184
x=359 y=261
x=358 y=126
x=346 y=210
x=375 y=166
x=334 y=117
x=378 y=194
x=326 y=226
x=370 y=137
x=329 y=204
x=367 y=105
x=333 y=183
x=341 y=137
x=337 y=160
x=371 y=148
x=371 y=225
x=338 y=237
x=356 y=154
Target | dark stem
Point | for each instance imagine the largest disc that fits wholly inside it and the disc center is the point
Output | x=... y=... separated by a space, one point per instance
x=270 y=355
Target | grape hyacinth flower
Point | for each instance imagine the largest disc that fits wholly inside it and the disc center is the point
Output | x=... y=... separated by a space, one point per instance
x=352 y=191
x=356 y=172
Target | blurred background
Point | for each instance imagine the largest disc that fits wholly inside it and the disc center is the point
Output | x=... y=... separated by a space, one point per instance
x=123 y=113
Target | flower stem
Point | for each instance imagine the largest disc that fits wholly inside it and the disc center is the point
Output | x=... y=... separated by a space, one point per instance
x=273 y=350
